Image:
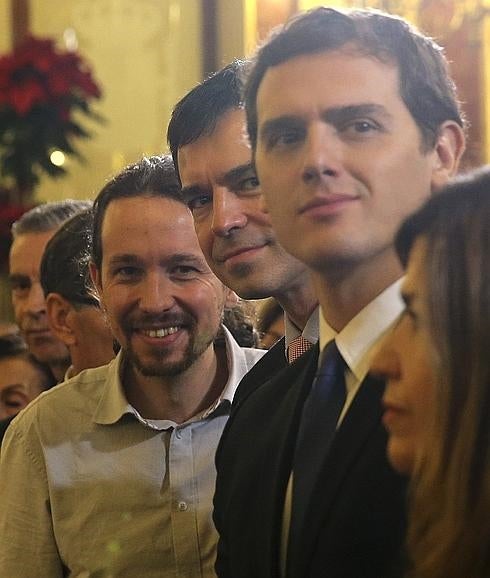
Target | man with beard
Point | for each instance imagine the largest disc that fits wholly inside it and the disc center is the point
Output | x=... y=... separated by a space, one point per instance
x=112 y=472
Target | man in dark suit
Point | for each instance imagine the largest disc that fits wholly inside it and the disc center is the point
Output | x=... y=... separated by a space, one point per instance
x=207 y=138
x=354 y=122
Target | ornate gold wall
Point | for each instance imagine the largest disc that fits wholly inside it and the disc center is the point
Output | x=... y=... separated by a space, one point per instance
x=145 y=54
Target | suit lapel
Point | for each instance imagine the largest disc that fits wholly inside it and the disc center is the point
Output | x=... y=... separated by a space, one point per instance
x=264 y=370
x=360 y=422
x=292 y=384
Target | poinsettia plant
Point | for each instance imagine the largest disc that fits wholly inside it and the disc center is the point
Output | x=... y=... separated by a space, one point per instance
x=44 y=92
x=9 y=213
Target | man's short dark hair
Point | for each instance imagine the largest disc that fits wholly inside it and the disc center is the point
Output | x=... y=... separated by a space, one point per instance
x=197 y=114
x=64 y=267
x=425 y=85
x=149 y=177
x=48 y=216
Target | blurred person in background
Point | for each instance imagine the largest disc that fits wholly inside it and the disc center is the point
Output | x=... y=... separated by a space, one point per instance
x=73 y=309
x=270 y=322
x=22 y=378
x=240 y=319
x=8 y=327
x=31 y=234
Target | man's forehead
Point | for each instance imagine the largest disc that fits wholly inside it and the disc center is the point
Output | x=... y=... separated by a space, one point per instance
x=28 y=248
x=219 y=149
x=145 y=224
x=348 y=52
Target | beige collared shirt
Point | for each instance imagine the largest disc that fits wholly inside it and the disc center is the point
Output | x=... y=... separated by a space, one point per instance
x=88 y=488
x=357 y=343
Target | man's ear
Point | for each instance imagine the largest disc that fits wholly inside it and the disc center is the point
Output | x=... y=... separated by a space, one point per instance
x=96 y=278
x=58 y=311
x=449 y=148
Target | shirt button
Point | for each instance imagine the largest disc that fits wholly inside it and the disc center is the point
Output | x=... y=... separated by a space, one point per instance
x=178 y=434
x=182 y=506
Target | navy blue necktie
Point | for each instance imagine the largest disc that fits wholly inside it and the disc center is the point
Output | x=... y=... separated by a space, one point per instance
x=317 y=428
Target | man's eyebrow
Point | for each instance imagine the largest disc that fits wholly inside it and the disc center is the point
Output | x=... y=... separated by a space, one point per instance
x=15 y=278
x=123 y=258
x=185 y=258
x=235 y=174
x=190 y=192
x=227 y=179
x=11 y=387
x=339 y=114
x=273 y=125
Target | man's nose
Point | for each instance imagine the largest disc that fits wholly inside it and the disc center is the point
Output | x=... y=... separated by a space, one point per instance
x=157 y=293
x=36 y=303
x=321 y=154
x=227 y=212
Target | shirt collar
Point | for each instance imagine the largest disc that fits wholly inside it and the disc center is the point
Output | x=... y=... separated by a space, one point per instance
x=237 y=368
x=357 y=340
x=113 y=403
x=310 y=332
x=70 y=372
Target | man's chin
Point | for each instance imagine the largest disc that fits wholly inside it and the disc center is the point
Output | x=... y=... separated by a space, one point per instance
x=160 y=367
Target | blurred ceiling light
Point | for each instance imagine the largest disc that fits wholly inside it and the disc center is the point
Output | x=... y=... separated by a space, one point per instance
x=57 y=158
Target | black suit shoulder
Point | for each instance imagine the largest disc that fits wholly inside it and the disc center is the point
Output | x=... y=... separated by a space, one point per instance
x=272 y=362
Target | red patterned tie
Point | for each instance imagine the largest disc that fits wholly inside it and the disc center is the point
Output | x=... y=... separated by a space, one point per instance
x=297 y=347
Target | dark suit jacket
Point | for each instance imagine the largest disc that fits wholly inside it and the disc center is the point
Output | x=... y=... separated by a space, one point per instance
x=272 y=362
x=4 y=423
x=356 y=522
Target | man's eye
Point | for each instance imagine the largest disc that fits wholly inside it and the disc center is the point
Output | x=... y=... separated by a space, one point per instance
x=360 y=127
x=20 y=285
x=185 y=271
x=198 y=202
x=127 y=272
x=284 y=138
x=249 y=184
x=13 y=400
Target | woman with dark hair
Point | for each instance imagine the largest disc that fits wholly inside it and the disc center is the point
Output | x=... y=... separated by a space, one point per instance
x=437 y=366
x=270 y=322
x=22 y=378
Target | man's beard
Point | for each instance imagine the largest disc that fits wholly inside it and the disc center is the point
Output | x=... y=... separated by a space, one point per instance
x=157 y=366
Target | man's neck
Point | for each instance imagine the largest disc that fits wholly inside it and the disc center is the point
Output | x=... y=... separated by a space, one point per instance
x=178 y=397
x=299 y=302
x=58 y=369
x=343 y=296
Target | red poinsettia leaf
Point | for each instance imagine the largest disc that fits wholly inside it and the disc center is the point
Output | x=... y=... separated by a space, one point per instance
x=40 y=89
x=24 y=97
